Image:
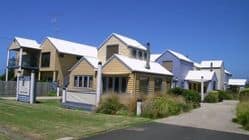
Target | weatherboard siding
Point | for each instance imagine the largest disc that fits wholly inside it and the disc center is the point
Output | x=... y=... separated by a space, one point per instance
x=179 y=69
x=115 y=67
x=123 y=49
x=83 y=68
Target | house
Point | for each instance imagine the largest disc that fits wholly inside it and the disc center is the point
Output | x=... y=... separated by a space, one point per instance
x=26 y=53
x=237 y=84
x=119 y=44
x=126 y=68
x=218 y=67
x=228 y=75
x=122 y=74
x=176 y=63
x=51 y=60
x=58 y=56
x=194 y=79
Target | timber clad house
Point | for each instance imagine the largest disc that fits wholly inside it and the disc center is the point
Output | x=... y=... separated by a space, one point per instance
x=127 y=66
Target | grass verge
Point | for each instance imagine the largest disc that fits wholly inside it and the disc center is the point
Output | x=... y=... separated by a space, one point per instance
x=48 y=120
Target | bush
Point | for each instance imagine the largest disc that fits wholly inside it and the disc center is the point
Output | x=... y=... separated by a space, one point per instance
x=212 y=97
x=110 y=104
x=162 y=106
x=176 y=91
x=192 y=97
x=242 y=114
x=224 y=96
x=244 y=95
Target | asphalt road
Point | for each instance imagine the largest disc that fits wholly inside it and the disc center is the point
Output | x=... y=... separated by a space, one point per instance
x=159 y=131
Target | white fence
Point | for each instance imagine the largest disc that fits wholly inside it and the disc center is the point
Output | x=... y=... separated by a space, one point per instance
x=81 y=97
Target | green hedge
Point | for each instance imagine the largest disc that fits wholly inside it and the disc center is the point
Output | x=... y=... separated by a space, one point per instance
x=110 y=104
x=191 y=97
x=161 y=106
x=212 y=97
x=244 y=95
x=242 y=114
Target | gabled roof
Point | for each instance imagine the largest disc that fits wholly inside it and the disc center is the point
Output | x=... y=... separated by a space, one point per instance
x=180 y=56
x=237 y=82
x=93 y=61
x=127 y=41
x=227 y=72
x=207 y=63
x=153 y=57
x=139 y=65
x=27 y=43
x=195 y=75
x=197 y=65
x=73 y=48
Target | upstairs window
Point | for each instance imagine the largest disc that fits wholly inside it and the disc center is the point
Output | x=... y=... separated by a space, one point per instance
x=168 y=65
x=45 y=59
x=134 y=53
x=111 y=49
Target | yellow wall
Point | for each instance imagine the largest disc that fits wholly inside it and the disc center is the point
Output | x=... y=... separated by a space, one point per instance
x=123 y=49
x=115 y=67
x=59 y=64
x=83 y=68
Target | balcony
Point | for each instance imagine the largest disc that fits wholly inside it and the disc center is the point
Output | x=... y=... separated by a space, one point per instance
x=28 y=62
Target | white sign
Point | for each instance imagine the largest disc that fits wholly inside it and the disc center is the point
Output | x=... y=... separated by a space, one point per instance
x=24 y=85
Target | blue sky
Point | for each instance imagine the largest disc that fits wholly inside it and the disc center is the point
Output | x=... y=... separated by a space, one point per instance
x=201 y=29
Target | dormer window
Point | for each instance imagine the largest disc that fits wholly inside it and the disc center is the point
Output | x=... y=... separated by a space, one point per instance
x=140 y=54
x=111 y=49
x=134 y=53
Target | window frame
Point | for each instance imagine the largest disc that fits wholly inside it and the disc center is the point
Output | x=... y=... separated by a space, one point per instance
x=43 y=59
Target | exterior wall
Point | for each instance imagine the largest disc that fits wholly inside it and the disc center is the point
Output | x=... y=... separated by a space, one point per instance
x=58 y=65
x=166 y=80
x=115 y=67
x=220 y=73
x=123 y=49
x=83 y=68
x=226 y=78
x=180 y=68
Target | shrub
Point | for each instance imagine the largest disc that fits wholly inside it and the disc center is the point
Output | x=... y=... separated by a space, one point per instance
x=176 y=91
x=244 y=95
x=192 y=97
x=212 y=97
x=224 y=95
x=162 y=106
x=110 y=104
x=242 y=114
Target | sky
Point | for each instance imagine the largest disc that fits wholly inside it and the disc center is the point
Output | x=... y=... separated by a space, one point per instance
x=200 y=29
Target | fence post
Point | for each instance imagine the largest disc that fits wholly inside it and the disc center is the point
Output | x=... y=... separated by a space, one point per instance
x=17 y=84
x=139 y=107
x=202 y=88
x=99 y=85
x=64 y=92
x=58 y=91
x=32 y=84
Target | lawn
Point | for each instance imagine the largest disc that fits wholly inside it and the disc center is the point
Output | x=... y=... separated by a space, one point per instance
x=48 y=120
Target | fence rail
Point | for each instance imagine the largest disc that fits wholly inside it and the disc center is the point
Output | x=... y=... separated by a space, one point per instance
x=41 y=88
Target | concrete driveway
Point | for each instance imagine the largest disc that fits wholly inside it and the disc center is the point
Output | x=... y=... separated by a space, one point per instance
x=209 y=122
x=216 y=116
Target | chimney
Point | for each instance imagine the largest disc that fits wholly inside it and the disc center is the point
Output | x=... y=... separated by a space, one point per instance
x=148 y=56
x=211 y=66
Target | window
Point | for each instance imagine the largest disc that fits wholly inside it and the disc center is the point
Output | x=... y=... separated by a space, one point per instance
x=158 y=84
x=83 y=81
x=134 y=53
x=145 y=55
x=124 y=84
x=140 y=54
x=143 y=84
x=45 y=60
x=111 y=49
x=78 y=57
x=168 y=65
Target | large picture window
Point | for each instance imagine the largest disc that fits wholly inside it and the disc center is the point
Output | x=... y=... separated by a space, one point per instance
x=85 y=81
x=45 y=59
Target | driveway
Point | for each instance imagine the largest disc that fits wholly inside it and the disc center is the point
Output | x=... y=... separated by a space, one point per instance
x=216 y=116
x=209 y=122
